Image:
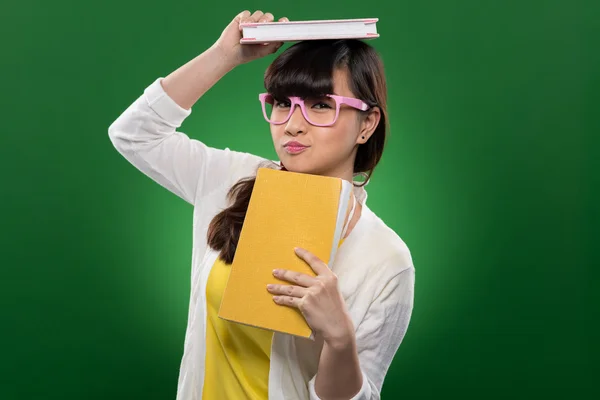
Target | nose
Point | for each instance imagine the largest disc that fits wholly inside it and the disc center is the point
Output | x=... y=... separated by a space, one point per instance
x=296 y=125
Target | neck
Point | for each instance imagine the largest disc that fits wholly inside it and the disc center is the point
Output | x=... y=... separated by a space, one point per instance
x=347 y=175
x=343 y=172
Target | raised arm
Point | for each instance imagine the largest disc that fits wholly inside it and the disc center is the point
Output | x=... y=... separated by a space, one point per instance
x=146 y=132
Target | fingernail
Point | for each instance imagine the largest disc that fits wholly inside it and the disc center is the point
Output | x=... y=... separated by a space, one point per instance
x=275 y=271
x=270 y=286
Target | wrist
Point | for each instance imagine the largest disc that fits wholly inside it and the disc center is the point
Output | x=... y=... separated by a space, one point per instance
x=225 y=57
x=343 y=339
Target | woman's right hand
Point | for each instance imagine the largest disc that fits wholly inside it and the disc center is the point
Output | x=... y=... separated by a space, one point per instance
x=229 y=41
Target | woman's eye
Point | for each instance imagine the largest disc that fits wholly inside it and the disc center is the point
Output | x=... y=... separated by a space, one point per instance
x=282 y=104
x=322 y=105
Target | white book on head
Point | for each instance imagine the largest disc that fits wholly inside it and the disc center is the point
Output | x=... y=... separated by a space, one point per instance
x=263 y=32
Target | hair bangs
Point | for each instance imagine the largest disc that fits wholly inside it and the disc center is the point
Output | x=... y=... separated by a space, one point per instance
x=303 y=71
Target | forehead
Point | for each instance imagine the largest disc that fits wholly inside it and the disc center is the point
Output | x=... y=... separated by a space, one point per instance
x=340 y=83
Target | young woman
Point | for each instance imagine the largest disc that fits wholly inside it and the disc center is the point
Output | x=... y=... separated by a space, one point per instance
x=325 y=102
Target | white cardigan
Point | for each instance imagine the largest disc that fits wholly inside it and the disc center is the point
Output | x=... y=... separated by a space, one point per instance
x=374 y=266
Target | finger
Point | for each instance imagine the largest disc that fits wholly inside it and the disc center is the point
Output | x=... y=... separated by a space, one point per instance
x=315 y=263
x=267 y=17
x=289 y=301
x=284 y=19
x=243 y=15
x=287 y=290
x=294 y=277
x=256 y=16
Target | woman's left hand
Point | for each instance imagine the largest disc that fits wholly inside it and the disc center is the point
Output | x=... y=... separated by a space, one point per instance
x=318 y=298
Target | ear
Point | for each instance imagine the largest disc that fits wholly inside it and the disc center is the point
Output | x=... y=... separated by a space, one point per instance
x=368 y=125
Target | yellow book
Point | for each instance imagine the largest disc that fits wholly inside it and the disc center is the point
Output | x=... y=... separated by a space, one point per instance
x=286 y=210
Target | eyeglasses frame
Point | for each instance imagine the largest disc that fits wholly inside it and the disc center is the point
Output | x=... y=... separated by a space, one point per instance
x=295 y=100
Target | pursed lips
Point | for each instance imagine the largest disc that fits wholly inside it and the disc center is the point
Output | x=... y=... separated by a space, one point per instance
x=294 y=147
x=295 y=144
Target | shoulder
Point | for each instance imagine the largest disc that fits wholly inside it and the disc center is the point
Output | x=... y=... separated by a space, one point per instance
x=241 y=164
x=375 y=261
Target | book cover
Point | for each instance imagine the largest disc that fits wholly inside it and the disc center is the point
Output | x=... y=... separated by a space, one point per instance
x=286 y=210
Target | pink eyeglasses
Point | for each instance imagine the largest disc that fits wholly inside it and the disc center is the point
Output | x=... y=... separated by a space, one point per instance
x=319 y=111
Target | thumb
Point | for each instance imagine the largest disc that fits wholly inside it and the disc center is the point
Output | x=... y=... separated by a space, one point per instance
x=273 y=47
x=270 y=48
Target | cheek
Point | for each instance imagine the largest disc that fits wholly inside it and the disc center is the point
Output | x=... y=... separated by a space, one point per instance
x=276 y=133
x=341 y=138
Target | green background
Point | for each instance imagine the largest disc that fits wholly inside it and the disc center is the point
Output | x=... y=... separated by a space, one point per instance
x=490 y=177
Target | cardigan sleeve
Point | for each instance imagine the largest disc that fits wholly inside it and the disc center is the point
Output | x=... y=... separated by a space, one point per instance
x=146 y=135
x=379 y=335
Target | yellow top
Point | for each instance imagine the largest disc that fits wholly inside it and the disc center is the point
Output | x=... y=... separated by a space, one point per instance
x=238 y=356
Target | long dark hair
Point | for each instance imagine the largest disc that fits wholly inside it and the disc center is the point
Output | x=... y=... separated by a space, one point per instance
x=306 y=70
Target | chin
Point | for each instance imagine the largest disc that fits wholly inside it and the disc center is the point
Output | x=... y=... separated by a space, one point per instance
x=303 y=169
x=294 y=164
